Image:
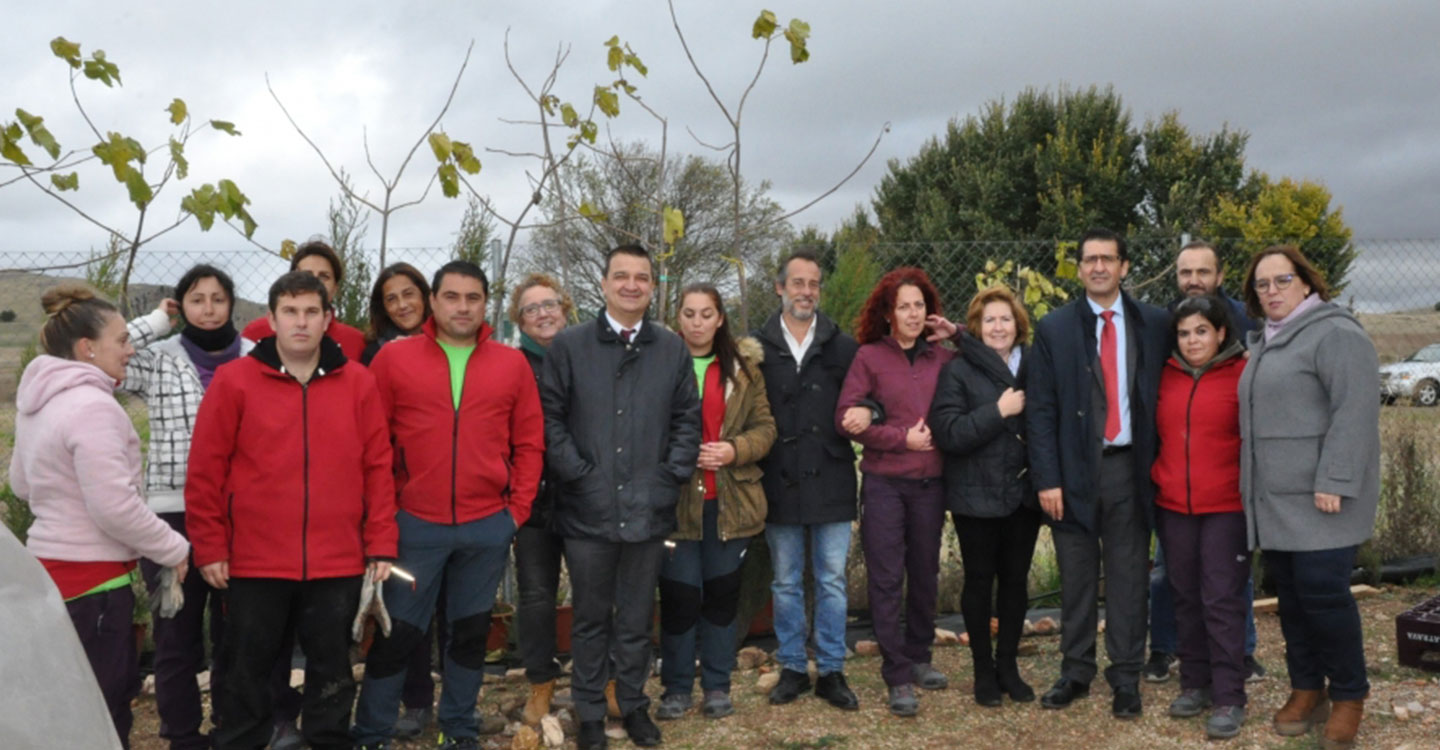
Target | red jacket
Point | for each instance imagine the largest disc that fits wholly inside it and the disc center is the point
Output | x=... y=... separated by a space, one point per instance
x=351 y=340
x=1198 y=423
x=287 y=480
x=453 y=466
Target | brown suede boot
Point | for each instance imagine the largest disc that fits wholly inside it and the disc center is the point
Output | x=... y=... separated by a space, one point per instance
x=538 y=705
x=1343 y=724
x=612 y=706
x=1303 y=710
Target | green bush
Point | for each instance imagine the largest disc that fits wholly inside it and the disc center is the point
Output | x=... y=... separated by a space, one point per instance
x=1408 y=522
x=17 y=513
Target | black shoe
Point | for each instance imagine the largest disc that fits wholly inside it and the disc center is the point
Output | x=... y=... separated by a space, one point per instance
x=1254 y=670
x=987 y=688
x=1127 y=702
x=1158 y=668
x=1064 y=692
x=790 y=686
x=592 y=736
x=1007 y=676
x=833 y=689
x=642 y=731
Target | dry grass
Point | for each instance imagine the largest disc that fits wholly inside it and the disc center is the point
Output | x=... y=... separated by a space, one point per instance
x=950 y=719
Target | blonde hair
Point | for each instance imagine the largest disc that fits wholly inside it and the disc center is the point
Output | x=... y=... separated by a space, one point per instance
x=73 y=311
x=567 y=305
x=998 y=293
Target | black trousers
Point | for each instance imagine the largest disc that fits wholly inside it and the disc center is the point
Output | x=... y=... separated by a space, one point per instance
x=614 y=593
x=996 y=554
x=260 y=610
x=537 y=569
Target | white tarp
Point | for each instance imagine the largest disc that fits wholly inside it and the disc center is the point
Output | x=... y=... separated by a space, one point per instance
x=51 y=698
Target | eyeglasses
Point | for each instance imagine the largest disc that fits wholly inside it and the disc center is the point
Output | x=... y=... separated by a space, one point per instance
x=1098 y=260
x=533 y=309
x=1281 y=282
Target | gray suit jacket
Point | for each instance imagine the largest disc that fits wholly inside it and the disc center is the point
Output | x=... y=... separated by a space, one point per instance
x=1310 y=422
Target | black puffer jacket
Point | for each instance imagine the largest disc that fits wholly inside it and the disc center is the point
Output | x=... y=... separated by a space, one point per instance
x=622 y=430
x=544 y=505
x=810 y=472
x=986 y=472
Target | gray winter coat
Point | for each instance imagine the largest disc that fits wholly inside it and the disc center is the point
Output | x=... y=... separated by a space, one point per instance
x=1310 y=422
x=622 y=430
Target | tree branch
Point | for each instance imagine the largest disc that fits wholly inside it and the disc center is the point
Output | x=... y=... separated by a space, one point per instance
x=786 y=217
x=694 y=65
x=343 y=187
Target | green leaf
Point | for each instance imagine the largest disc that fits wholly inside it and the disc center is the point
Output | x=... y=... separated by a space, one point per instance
x=590 y=212
x=177 y=155
x=140 y=193
x=589 y=130
x=1065 y=265
x=440 y=145
x=465 y=157
x=97 y=68
x=117 y=153
x=177 y=111
x=568 y=115
x=66 y=50
x=201 y=203
x=797 y=35
x=449 y=180
x=287 y=249
x=10 y=144
x=66 y=181
x=549 y=102
x=224 y=127
x=615 y=58
x=39 y=134
x=613 y=41
x=608 y=101
x=674 y=225
x=765 y=25
x=633 y=60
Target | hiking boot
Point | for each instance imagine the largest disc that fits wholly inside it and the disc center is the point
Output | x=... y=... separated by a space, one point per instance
x=1190 y=703
x=1300 y=712
x=673 y=706
x=1254 y=670
x=538 y=705
x=928 y=677
x=903 y=701
x=834 y=690
x=411 y=723
x=1007 y=676
x=717 y=704
x=1159 y=666
x=1224 y=722
x=987 y=687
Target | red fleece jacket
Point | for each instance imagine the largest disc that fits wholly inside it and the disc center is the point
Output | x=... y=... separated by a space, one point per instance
x=453 y=465
x=1198 y=422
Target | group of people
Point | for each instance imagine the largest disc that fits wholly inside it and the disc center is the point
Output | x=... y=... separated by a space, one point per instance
x=295 y=465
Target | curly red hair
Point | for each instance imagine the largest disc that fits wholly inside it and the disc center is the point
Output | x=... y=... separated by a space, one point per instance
x=873 y=323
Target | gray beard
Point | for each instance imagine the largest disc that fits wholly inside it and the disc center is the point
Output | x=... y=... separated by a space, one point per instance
x=798 y=314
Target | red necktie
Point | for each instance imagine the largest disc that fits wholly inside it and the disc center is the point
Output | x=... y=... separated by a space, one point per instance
x=626 y=333
x=1111 y=371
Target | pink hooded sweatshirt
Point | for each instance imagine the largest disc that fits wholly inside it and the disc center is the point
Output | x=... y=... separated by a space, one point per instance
x=77 y=462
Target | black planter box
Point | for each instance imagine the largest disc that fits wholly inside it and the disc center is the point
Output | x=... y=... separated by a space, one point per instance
x=1417 y=636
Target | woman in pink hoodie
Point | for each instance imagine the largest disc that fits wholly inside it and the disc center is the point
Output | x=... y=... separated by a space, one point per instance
x=77 y=462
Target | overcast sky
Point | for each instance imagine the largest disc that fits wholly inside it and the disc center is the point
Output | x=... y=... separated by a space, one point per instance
x=1344 y=93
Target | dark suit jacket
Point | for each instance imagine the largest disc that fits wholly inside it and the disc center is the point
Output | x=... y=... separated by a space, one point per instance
x=1065 y=403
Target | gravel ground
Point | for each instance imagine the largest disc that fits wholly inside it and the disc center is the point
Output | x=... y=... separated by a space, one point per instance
x=951 y=719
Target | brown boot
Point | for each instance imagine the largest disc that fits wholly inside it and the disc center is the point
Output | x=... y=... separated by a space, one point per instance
x=612 y=706
x=538 y=705
x=1303 y=710
x=1343 y=724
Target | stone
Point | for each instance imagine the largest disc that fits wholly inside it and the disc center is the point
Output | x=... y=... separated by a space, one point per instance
x=1028 y=649
x=148 y=687
x=867 y=648
x=750 y=657
x=525 y=739
x=965 y=639
x=615 y=731
x=1028 y=628
x=552 y=732
x=202 y=681
x=1046 y=626
x=766 y=682
x=945 y=637
x=1101 y=627
x=1401 y=713
x=1415 y=708
x=515 y=675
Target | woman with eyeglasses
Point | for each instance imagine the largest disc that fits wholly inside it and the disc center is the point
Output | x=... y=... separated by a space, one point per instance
x=1310 y=478
x=1198 y=511
x=540 y=308
x=399 y=305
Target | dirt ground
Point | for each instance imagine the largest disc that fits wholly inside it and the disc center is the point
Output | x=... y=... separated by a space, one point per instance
x=950 y=718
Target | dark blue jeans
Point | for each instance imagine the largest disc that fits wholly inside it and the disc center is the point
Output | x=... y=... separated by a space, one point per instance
x=699 y=595
x=470 y=559
x=1320 y=621
x=103 y=623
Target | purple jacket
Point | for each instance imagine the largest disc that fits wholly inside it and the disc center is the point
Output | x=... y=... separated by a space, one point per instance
x=882 y=372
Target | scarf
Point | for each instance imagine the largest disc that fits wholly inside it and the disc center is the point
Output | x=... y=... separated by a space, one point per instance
x=206 y=362
x=1273 y=327
x=209 y=341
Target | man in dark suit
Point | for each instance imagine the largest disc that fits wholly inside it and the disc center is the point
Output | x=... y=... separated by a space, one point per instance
x=1094 y=379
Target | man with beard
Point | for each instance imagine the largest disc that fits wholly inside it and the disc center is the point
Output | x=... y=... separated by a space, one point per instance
x=465 y=419
x=1197 y=273
x=809 y=480
x=1094 y=381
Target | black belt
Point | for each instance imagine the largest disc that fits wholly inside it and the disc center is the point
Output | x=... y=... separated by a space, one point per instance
x=1111 y=450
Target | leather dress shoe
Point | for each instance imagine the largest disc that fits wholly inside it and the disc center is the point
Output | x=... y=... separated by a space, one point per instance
x=642 y=731
x=833 y=689
x=1064 y=692
x=1127 y=702
x=790 y=686
x=592 y=736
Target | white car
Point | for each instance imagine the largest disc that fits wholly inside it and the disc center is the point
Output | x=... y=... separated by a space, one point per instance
x=1417 y=377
